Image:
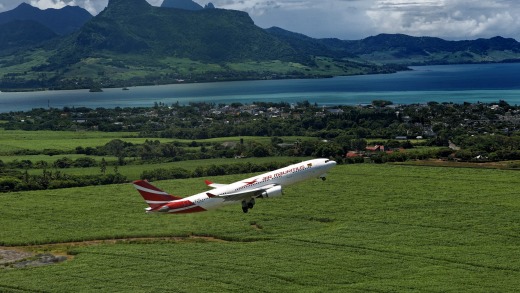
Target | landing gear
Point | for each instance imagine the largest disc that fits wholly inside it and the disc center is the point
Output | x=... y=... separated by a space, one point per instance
x=323 y=178
x=245 y=208
x=251 y=203
x=247 y=205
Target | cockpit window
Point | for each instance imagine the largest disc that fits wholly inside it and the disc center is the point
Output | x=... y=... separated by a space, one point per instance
x=327 y=161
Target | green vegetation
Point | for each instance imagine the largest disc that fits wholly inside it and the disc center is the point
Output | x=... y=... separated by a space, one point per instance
x=149 y=142
x=18 y=140
x=367 y=228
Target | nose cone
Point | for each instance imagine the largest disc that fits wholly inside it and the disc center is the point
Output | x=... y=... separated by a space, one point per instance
x=330 y=162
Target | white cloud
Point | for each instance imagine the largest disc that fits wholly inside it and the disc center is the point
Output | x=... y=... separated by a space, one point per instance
x=155 y=2
x=46 y=4
x=90 y=7
x=454 y=19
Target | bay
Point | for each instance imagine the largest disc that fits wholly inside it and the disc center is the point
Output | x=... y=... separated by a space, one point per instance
x=444 y=83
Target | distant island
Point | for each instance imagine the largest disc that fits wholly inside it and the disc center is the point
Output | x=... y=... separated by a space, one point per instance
x=134 y=43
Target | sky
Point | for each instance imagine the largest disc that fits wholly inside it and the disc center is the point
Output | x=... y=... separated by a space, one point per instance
x=357 y=19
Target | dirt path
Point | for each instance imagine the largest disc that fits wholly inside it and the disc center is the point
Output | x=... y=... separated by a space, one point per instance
x=24 y=256
x=12 y=255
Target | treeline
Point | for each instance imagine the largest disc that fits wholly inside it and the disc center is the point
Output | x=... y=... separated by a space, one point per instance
x=488 y=147
x=212 y=170
x=12 y=180
x=22 y=181
x=61 y=163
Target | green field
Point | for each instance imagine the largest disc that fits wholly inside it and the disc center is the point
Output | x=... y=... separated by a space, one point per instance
x=368 y=228
x=13 y=140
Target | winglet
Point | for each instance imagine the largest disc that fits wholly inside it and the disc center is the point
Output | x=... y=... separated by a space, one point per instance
x=208 y=183
x=210 y=195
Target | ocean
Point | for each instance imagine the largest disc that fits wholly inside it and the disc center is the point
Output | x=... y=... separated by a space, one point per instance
x=443 y=83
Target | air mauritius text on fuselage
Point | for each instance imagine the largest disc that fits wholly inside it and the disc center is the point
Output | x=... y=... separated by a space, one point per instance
x=288 y=171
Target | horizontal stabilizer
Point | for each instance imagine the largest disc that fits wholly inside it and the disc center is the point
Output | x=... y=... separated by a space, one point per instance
x=214 y=185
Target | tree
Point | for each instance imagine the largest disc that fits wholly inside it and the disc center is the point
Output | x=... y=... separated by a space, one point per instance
x=85 y=162
x=381 y=103
x=116 y=147
x=63 y=163
x=103 y=166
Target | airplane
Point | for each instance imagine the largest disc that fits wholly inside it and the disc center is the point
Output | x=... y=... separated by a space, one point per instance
x=267 y=185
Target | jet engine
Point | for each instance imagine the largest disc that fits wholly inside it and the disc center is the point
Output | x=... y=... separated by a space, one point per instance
x=272 y=192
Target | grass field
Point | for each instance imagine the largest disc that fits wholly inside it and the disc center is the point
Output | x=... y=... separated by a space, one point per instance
x=12 y=140
x=368 y=228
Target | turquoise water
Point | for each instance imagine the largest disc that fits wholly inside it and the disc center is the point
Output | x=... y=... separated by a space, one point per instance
x=445 y=83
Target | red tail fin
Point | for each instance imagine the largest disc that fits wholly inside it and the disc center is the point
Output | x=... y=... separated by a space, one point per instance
x=153 y=195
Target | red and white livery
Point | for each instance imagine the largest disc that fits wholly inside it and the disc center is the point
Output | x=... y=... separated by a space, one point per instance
x=266 y=185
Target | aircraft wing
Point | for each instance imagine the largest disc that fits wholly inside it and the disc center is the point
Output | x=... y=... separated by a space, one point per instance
x=214 y=185
x=243 y=195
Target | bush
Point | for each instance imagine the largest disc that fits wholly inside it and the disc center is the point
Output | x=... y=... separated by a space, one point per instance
x=10 y=184
x=63 y=163
x=85 y=162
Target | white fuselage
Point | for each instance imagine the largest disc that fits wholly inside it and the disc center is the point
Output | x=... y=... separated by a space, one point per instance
x=281 y=177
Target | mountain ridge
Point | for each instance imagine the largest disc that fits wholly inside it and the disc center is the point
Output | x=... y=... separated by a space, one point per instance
x=18 y=34
x=62 y=21
x=207 y=34
x=408 y=50
x=181 y=4
x=132 y=42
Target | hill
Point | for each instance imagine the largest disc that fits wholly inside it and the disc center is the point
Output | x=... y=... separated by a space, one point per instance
x=134 y=43
x=61 y=21
x=407 y=50
x=22 y=34
x=212 y=35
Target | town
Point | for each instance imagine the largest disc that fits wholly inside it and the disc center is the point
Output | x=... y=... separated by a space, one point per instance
x=469 y=130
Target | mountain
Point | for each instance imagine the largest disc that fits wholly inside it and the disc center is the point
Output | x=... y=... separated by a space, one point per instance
x=133 y=43
x=410 y=50
x=217 y=35
x=309 y=46
x=19 y=34
x=61 y=21
x=427 y=45
x=181 y=4
x=404 y=49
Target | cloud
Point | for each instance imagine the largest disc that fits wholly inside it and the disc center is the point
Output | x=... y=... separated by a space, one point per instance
x=454 y=19
x=46 y=4
x=451 y=19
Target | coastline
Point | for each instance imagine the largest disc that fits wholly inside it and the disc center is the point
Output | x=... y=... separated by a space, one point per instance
x=443 y=83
